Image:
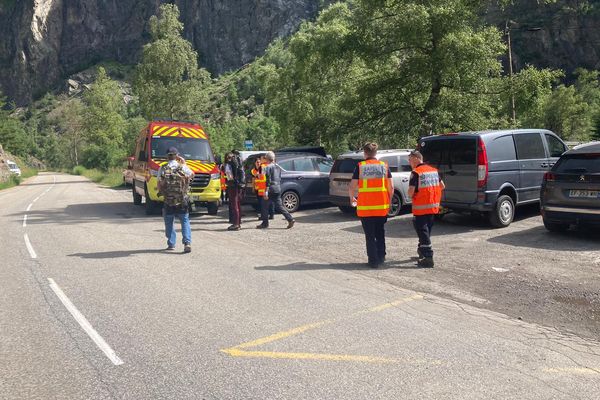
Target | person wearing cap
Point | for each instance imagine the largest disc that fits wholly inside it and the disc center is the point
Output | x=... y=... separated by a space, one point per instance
x=175 y=161
x=371 y=190
x=425 y=188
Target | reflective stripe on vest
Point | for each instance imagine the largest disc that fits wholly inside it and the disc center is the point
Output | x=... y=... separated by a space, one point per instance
x=429 y=195
x=373 y=197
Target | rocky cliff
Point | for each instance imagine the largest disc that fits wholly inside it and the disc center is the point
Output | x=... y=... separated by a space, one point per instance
x=43 y=41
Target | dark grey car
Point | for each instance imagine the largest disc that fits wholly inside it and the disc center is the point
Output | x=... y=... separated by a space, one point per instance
x=304 y=179
x=492 y=172
x=571 y=190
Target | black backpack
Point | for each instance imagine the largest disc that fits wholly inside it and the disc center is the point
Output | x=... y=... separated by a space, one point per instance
x=237 y=168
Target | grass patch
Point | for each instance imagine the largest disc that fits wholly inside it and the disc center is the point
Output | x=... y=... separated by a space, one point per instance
x=111 y=178
x=15 y=180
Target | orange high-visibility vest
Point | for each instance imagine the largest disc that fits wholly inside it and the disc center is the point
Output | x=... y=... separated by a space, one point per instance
x=427 y=199
x=260 y=181
x=373 y=197
x=223 y=181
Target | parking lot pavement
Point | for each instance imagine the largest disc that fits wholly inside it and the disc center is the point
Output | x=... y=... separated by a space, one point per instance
x=522 y=271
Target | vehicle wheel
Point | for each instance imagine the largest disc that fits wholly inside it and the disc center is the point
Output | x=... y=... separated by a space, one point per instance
x=503 y=213
x=556 y=227
x=151 y=205
x=291 y=201
x=347 y=209
x=396 y=205
x=213 y=208
x=137 y=198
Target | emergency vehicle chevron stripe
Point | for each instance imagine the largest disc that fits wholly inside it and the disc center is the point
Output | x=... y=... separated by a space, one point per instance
x=174 y=131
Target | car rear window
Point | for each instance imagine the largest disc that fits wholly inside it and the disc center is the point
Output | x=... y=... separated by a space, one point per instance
x=345 y=165
x=451 y=151
x=579 y=164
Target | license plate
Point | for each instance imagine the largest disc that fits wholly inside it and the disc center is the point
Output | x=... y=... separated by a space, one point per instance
x=590 y=194
x=342 y=183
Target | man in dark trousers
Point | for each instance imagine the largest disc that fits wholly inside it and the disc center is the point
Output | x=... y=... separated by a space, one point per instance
x=371 y=190
x=272 y=173
x=234 y=174
x=425 y=189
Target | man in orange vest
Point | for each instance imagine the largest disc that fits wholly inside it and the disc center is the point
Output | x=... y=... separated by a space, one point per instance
x=425 y=189
x=372 y=182
x=259 y=184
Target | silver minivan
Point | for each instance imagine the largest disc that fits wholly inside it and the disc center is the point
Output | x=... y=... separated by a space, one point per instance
x=341 y=175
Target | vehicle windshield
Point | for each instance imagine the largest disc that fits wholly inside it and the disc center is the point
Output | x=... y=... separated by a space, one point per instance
x=12 y=166
x=345 y=165
x=190 y=149
x=579 y=164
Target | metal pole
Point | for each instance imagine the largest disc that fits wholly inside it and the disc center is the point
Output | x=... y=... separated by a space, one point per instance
x=510 y=72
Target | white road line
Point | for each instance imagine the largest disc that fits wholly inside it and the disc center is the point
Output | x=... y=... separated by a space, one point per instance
x=24 y=220
x=29 y=206
x=29 y=246
x=83 y=322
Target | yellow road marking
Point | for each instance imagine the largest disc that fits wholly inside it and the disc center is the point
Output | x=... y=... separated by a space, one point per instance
x=574 y=370
x=238 y=351
x=282 y=335
x=234 y=352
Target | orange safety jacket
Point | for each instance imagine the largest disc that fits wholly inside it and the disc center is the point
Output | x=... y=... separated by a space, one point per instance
x=223 y=181
x=260 y=181
x=427 y=199
x=373 y=196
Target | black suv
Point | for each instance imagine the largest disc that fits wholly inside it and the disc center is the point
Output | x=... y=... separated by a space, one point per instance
x=571 y=190
x=493 y=171
x=304 y=179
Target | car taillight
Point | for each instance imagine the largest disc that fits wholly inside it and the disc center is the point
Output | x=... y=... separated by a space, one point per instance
x=549 y=177
x=482 y=164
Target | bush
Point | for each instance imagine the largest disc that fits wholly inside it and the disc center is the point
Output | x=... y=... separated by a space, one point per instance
x=111 y=178
x=79 y=170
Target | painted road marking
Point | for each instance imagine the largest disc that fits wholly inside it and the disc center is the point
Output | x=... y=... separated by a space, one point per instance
x=29 y=247
x=85 y=325
x=24 y=220
x=240 y=350
x=29 y=206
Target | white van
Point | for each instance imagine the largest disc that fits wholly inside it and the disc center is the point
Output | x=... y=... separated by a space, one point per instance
x=13 y=168
x=341 y=175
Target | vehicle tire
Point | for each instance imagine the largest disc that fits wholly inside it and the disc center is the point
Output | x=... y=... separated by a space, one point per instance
x=556 y=226
x=213 y=208
x=137 y=198
x=291 y=201
x=347 y=209
x=151 y=205
x=503 y=213
x=396 y=205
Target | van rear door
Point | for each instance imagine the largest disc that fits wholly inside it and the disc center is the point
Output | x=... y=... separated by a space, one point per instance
x=456 y=159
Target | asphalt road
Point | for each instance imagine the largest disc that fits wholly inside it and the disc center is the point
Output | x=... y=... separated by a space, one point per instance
x=91 y=307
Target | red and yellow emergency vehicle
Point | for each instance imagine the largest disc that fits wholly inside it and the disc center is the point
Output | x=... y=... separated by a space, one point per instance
x=192 y=143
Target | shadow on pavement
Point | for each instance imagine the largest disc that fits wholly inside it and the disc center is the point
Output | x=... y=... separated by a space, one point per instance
x=539 y=238
x=120 y=254
x=302 y=266
x=88 y=212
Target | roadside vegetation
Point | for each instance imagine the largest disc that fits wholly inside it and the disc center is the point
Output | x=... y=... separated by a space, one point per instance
x=14 y=180
x=390 y=71
x=112 y=177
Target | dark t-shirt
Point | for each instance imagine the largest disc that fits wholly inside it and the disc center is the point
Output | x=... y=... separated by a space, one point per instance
x=356 y=173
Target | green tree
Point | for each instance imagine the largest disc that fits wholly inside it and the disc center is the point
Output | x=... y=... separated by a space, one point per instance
x=67 y=120
x=104 y=123
x=169 y=83
x=13 y=136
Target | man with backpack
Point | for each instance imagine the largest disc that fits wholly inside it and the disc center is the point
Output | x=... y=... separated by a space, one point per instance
x=173 y=183
x=234 y=171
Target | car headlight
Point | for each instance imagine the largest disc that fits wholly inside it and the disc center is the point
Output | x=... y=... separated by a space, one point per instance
x=215 y=176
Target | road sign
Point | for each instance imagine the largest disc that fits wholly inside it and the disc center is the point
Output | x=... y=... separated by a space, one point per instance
x=248 y=144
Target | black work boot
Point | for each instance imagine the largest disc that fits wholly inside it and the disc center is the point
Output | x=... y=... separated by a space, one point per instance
x=425 y=262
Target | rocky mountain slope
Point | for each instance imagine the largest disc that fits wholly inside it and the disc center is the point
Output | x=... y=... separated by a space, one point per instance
x=44 y=41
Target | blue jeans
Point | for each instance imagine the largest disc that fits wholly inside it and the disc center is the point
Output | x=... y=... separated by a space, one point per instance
x=186 y=229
